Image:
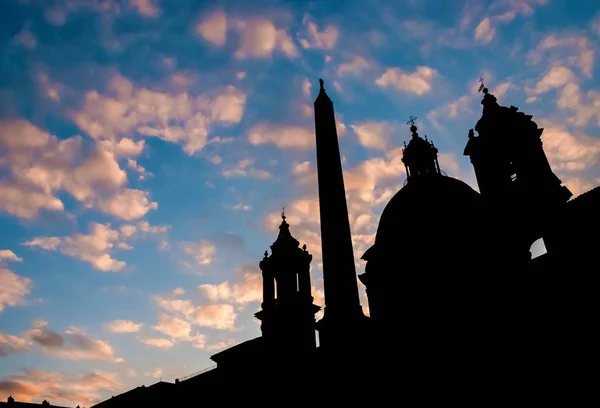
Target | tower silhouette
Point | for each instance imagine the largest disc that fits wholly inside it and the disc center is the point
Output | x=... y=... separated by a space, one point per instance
x=342 y=305
x=420 y=156
x=288 y=318
x=514 y=177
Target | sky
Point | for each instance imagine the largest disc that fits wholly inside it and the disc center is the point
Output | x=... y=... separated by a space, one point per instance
x=147 y=148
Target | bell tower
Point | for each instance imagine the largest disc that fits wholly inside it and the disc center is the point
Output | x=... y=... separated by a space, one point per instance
x=288 y=313
x=514 y=177
x=509 y=159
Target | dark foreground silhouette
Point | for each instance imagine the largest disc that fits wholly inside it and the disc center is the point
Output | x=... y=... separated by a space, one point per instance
x=459 y=310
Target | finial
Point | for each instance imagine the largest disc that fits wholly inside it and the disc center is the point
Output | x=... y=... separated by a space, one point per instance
x=283 y=213
x=321 y=83
x=304 y=247
x=411 y=122
x=266 y=254
x=482 y=86
x=405 y=144
x=426 y=138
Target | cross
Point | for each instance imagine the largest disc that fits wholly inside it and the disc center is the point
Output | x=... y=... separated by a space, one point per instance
x=283 y=212
x=482 y=85
x=411 y=120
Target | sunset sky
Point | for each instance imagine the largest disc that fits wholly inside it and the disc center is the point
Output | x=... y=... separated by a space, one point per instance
x=148 y=146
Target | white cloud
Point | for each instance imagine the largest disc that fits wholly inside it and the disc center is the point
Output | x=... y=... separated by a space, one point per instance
x=13 y=288
x=374 y=135
x=128 y=204
x=42 y=165
x=156 y=373
x=500 y=90
x=96 y=247
x=220 y=316
x=306 y=88
x=25 y=203
x=355 y=66
x=584 y=106
x=241 y=207
x=158 y=342
x=174 y=327
x=301 y=168
x=567 y=151
x=143 y=174
x=51 y=89
x=484 y=32
x=126 y=147
x=176 y=118
x=10 y=344
x=246 y=291
x=285 y=137
x=217 y=316
x=565 y=50
x=124 y=326
x=213 y=28
x=8 y=255
x=47 y=243
x=313 y=38
x=202 y=251
x=244 y=168
x=93 y=248
x=259 y=38
x=451 y=110
x=73 y=345
x=418 y=82
x=556 y=77
x=178 y=292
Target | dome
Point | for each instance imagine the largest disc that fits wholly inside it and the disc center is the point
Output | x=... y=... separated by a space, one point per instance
x=427 y=209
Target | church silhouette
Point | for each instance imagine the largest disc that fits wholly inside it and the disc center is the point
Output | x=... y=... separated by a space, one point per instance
x=459 y=310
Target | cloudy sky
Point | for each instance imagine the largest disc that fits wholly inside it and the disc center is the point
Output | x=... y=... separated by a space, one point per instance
x=148 y=146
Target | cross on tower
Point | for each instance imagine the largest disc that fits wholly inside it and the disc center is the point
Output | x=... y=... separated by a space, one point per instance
x=283 y=212
x=481 y=86
x=411 y=120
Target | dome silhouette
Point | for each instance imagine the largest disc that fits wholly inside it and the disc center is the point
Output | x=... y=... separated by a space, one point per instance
x=425 y=211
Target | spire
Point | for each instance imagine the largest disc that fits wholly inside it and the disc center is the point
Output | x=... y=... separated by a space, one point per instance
x=322 y=97
x=339 y=273
x=284 y=238
x=284 y=228
x=420 y=156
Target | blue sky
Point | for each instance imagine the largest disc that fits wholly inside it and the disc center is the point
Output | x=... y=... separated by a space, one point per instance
x=147 y=148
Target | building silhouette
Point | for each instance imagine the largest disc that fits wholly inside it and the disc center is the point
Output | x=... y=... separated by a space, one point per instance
x=11 y=403
x=459 y=310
